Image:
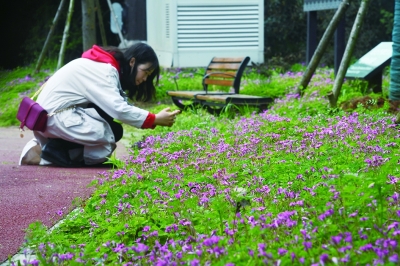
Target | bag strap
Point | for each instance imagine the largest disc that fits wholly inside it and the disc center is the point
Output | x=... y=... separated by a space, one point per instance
x=38 y=91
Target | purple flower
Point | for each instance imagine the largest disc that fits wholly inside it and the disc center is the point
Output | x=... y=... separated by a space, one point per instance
x=353 y=214
x=211 y=241
x=261 y=249
x=199 y=252
x=393 y=225
x=375 y=161
x=292 y=256
x=348 y=238
x=366 y=247
x=307 y=245
x=282 y=251
x=140 y=248
x=251 y=253
x=34 y=262
x=179 y=255
x=394 y=258
x=345 y=248
x=195 y=262
x=336 y=239
x=146 y=228
x=324 y=258
x=345 y=259
x=154 y=233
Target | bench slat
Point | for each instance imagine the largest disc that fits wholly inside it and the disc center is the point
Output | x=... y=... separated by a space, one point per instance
x=184 y=94
x=227 y=59
x=192 y=94
x=221 y=66
x=224 y=97
x=220 y=82
x=214 y=98
x=226 y=74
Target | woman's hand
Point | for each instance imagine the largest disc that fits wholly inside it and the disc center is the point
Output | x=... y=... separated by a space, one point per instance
x=166 y=117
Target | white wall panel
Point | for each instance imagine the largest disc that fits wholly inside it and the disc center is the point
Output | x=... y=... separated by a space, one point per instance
x=188 y=33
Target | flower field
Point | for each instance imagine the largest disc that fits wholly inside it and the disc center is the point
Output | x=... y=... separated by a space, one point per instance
x=290 y=186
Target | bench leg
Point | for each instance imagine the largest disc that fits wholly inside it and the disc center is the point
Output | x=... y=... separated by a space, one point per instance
x=262 y=108
x=182 y=106
x=213 y=109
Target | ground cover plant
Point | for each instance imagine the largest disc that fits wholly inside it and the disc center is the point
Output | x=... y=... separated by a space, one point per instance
x=297 y=184
x=14 y=85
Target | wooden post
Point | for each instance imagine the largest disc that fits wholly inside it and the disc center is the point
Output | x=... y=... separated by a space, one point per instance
x=88 y=24
x=330 y=30
x=334 y=95
x=49 y=35
x=65 y=35
x=340 y=43
x=101 y=24
x=311 y=35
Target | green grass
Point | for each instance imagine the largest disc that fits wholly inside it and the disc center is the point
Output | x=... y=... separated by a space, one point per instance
x=14 y=85
x=298 y=184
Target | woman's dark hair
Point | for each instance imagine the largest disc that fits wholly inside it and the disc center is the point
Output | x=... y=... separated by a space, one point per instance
x=143 y=54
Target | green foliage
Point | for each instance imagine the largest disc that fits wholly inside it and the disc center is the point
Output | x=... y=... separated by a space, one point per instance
x=285 y=23
x=297 y=173
x=16 y=84
x=38 y=32
x=285 y=30
x=242 y=184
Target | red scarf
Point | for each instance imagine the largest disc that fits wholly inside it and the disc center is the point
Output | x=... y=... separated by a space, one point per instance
x=99 y=55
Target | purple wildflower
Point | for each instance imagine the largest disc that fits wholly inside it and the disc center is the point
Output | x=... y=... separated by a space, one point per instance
x=34 y=262
x=195 y=262
x=251 y=253
x=307 y=245
x=146 y=228
x=394 y=258
x=292 y=256
x=324 y=258
x=282 y=251
x=336 y=239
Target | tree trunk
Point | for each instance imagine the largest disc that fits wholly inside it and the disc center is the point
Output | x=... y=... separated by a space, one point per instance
x=65 y=35
x=88 y=24
x=319 y=52
x=334 y=95
x=49 y=35
x=101 y=24
x=394 y=88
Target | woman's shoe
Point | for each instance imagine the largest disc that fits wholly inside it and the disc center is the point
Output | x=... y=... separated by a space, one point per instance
x=31 y=153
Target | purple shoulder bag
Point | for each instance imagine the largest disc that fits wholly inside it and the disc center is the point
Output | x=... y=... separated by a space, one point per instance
x=31 y=114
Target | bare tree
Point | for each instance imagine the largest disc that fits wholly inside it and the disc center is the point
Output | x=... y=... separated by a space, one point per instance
x=88 y=24
x=65 y=35
x=319 y=52
x=101 y=24
x=334 y=95
x=49 y=35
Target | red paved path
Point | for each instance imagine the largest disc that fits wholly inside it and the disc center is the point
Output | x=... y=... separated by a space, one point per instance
x=28 y=193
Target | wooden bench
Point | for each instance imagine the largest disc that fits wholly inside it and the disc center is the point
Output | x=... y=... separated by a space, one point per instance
x=221 y=72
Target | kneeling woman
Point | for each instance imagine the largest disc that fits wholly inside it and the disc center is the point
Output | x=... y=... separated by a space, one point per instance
x=83 y=99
